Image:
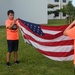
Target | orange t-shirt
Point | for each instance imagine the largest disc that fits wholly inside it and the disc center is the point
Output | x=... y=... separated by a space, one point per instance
x=11 y=34
x=71 y=34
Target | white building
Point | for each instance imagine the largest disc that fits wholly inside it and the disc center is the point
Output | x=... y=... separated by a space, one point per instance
x=29 y=10
x=60 y=4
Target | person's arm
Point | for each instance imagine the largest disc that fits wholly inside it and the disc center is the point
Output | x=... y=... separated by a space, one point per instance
x=69 y=27
x=17 y=24
x=11 y=25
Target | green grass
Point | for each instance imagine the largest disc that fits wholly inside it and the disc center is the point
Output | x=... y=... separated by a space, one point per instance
x=32 y=62
x=57 y=22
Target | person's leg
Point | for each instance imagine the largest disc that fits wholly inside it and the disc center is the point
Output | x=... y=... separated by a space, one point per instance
x=16 y=51
x=8 y=59
x=10 y=46
x=15 y=55
x=8 y=56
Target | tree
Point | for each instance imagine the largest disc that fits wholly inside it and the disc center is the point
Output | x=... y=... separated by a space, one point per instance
x=69 y=9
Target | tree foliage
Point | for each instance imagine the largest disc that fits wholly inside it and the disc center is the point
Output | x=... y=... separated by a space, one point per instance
x=69 y=9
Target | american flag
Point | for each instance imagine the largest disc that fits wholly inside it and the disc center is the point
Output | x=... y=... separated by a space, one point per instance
x=48 y=40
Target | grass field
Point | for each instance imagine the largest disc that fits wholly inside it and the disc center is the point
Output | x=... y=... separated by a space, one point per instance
x=57 y=22
x=32 y=62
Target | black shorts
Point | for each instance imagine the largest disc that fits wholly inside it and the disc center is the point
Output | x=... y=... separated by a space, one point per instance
x=12 y=45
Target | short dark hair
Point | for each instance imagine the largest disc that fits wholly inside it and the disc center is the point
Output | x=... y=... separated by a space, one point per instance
x=10 y=11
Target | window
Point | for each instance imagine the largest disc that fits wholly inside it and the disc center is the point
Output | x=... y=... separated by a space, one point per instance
x=64 y=0
x=56 y=14
x=64 y=14
x=56 y=0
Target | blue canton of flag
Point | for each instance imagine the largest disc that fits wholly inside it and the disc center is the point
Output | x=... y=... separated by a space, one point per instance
x=34 y=27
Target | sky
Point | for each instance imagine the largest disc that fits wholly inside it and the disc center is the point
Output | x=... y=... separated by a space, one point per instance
x=73 y=2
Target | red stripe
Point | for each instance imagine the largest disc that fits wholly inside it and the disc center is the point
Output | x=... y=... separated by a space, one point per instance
x=46 y=36
x=54 y=28
x=51 y=37
x=57 y=54
x=60 y=43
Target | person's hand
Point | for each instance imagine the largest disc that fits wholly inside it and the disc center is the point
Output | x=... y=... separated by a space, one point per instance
x=12 y=24
x=69 y=27
x=15 y=20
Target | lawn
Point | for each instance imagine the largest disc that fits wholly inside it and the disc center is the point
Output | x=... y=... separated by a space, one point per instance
x=57 y=22
x=32 y=62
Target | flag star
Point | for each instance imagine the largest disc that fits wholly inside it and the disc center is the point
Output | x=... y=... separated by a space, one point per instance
x=38 y=27
x=33 y=30
x=30 y=27
x=41 y=34
x=27 y=24
x=37 y=31
x=34 y=26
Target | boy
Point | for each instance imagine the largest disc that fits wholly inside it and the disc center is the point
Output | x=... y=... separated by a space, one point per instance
x=70 y=31
x=12 y=37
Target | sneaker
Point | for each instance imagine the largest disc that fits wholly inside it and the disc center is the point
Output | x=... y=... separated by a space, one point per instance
x=8 y=64
x=17 y=62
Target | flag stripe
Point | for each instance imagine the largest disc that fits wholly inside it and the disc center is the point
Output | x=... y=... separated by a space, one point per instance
x=51 y=32
x=61 y=58
x=44 y=40
x=54 y=28
x=57 y=54
x=52 y=49
x=59 y=43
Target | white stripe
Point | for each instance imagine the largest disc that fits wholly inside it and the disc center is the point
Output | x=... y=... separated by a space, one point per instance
x=61 y=38
x=52 y=49
x=55 y=49
x=50 y=32
x=26 y=41
x=69 y=58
